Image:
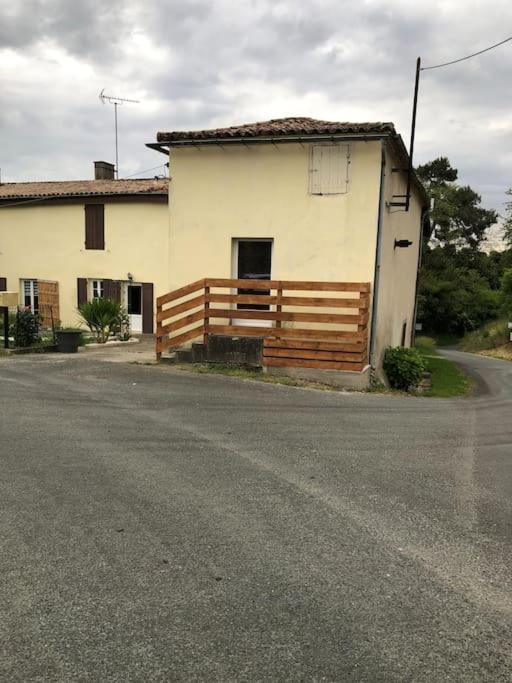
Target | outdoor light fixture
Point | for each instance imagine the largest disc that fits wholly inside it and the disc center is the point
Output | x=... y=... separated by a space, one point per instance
x=402 y=244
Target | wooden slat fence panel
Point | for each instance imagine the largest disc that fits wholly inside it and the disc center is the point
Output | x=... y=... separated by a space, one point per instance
x=48 y=294
x=315 y=344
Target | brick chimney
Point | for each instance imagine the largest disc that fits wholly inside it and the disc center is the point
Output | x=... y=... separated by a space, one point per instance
x=103 y=170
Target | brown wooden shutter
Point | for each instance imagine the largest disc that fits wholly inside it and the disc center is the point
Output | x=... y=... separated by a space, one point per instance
x=147 y=307
x=94 y=226
x=112 y=290
x=81 y=288
x=3 y=284
x=48 y=302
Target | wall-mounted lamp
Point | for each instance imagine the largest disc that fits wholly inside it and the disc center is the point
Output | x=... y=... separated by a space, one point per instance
x=130 y=277
x=402 y=244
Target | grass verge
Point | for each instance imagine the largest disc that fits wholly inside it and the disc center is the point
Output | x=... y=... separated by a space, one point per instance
x=501 y=352
x=493 y=335
x=448 y=380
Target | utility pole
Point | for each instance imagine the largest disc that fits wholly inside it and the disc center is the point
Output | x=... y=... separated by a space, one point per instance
x=413 y=132
x=116 y=101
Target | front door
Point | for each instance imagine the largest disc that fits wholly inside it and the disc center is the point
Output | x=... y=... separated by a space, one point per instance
x=134 y=305
x=253 y=261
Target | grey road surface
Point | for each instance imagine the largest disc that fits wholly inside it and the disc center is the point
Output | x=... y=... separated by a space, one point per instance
x=166 y=526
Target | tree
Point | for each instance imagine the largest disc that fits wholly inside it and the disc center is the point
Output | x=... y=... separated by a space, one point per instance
x=456 y=218
x=506 y=292
x=454 y=297
x=459 y=283
x=508 y=221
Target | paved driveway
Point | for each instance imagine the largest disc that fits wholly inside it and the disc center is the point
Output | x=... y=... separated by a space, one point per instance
x=158 y=525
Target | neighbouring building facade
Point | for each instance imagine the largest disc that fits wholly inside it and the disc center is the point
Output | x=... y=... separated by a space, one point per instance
x=300 y=199
x=62 y=243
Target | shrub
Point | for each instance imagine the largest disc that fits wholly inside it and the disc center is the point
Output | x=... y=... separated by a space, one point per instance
x=426 y=344
x=489 y=336
x=122 y=326
x=25 y=328
x=101 y=316
x=404 y=367
x=506 y=292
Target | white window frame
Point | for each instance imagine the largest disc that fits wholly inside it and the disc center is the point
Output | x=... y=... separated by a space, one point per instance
x=97 y=289
x=325 y=184
x=33 y=292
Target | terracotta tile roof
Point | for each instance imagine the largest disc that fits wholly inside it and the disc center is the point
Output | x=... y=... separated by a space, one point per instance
x=84 y=188
x=301 y=126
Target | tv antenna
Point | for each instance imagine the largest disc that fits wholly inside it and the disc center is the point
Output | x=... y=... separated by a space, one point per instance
x=116 y=101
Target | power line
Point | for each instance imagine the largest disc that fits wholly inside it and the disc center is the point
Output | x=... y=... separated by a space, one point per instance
x=462 y=59
x=146 y=170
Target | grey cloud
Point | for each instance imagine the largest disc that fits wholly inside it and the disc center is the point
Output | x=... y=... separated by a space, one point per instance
x=199 y=53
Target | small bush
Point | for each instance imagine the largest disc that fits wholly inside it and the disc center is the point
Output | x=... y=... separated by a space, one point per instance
x=404 y=368
x=25 y=328
x=121 y=328
x=426 y=344
x=101 y=316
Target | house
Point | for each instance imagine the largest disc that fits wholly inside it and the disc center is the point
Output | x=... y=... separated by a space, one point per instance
x=62 y=243
x=298 y=199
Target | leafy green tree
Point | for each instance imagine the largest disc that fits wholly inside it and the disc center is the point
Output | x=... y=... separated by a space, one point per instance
x=453 y=297
x=456 y=217
x=508 y=221
x=506 y=292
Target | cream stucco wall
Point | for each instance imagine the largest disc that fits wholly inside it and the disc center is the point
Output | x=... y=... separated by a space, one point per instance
x=46 y=242
x=262 y=191
x=398 y=266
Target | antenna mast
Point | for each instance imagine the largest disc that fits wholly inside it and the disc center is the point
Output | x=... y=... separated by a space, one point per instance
x=116 y=101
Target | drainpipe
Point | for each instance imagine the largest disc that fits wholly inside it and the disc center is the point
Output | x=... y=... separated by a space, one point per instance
x=424 y=215
x=378 y=258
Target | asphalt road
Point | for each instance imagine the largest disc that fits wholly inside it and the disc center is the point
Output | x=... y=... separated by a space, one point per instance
x=162 y=526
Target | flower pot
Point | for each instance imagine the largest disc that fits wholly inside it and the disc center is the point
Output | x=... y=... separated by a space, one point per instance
x=68 y=341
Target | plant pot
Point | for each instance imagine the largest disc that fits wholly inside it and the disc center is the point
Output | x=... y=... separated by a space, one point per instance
x=68 y=341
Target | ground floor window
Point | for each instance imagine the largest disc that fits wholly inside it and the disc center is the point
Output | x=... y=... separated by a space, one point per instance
x=97 y=289
x=30 y=292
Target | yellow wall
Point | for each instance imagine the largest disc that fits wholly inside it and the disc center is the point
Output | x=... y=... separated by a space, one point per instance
x=261 y=191
x=46 y=242
x=398 y=266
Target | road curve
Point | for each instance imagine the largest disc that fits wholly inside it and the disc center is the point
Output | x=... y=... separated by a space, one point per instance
x=158 y=525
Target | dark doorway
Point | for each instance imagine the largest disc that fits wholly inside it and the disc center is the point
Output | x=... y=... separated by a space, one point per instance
x=254 y=262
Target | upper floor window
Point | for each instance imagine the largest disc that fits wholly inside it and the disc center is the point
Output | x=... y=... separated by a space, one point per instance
x=30 y=292
x=94 y=226
x=329 y=168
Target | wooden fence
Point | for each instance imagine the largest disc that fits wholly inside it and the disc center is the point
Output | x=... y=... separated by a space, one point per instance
x=325 y=326
x=48 y=295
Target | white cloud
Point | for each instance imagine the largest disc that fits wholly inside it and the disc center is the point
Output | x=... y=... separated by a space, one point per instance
x=205 y=63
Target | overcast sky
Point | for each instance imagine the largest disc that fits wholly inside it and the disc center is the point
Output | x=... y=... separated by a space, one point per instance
x=204 y=63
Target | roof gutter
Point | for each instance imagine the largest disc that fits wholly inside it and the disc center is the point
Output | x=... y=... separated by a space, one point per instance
x=158 y=147
x=190 y=142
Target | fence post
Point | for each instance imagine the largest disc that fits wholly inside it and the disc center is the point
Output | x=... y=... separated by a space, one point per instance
x=158 y=331
x=206 y=309
x=279 y=306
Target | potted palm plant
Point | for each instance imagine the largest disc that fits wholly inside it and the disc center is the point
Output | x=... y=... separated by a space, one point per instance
x=102 y=317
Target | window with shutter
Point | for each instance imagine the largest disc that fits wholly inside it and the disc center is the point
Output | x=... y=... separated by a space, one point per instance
x=94 y=226
x=30 y=292
x=329 y=169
